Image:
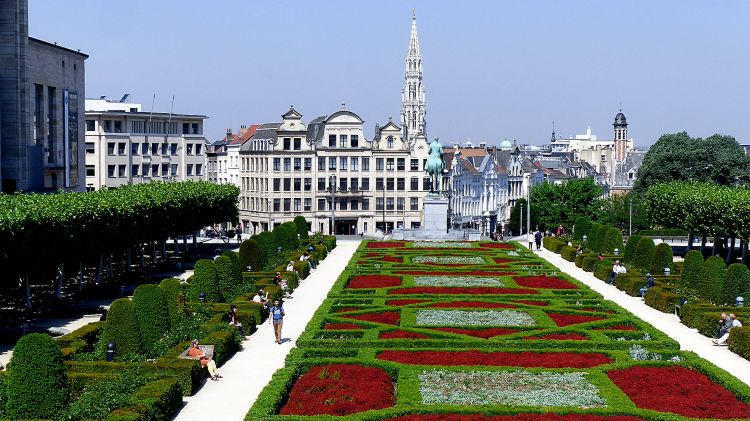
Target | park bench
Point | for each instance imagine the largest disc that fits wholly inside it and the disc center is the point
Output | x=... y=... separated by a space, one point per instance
x=206 y=349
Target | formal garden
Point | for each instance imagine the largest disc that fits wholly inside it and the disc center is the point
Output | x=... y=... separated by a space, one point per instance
x=485 y=331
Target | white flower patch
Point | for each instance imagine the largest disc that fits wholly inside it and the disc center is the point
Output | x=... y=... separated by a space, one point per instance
x=448 y=260
x=456 y=281
x=442 y=244
x=512 y=388
x=474 y=318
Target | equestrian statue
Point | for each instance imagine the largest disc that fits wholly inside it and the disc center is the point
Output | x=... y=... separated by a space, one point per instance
x=435 y=165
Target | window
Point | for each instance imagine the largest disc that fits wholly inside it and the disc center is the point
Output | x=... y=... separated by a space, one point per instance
x=287 y=143
x=400 y=184
x=297 y=204
x=321 y=204
x=321 y=163
x=343 y=183
x=308 y=204
x=287 y=164
x=185 y=128
x=297 y=164
x=414 y=184
x=276 y=184
x=287 y=205
x=414 y=203
x=379 y=164
x=110 y=148
x=308 y=164
x=355 y=163
x=287 y=184
x=355 y=184
x=134 y=169
x=331 y=140
x=277 y=164
x=389 y=142
x=164 y=148
x=414 y=165
x=389 y=164
x=189 y=149
x=90 y=171
x=401 y=164
x=365 y=164
x=389 y=184
x=297 y=144
x=111 y=171
x=118 y=126
x=426 y=184
x=121 y=148
x=354 y=204
x=144 y=148
x=173 y=149
x=400 y=203
x=107 y=124
x=389 y=203
x=154 y=148
x=321 y=183
x=342 y=204
x=355 y=141
x=198 y=148
x=342 y=141
x=365 y=184
x=121 y=170
x=332 y=163
x=90 y=148
x=137 y=127
x=630 y=175
x=379 y=183
x=135 y=148
x=365 y=205
x=344 y=163
x=198 y=169
x=174 y=170
x=276 y=205
x=604 y=158
x=90 y=125
x=297 y=184
x=190 y=170
x=155 y=170
x=378 y=203
x=308 y=184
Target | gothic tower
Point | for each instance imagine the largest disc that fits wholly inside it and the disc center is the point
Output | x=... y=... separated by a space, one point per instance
x=621 y=136
x=413 y=94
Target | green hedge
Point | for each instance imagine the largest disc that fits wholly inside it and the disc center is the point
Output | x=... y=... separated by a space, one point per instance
x=612 y=240
x=152 y=314
x=301 y=226
x=631 y=283
x=267 y=244
x=228 y=277
x=249 y=255
x=204 y=280
x=80 y=340
x=579 y=259
x=174 y=296
x=603 y=269
x=712 y=280
x=553 y=244
x=37 y=383
x=589 y=263
x=582 y=227
x=736 y=283
x=739 y=341
x=630 y=248
x=661 y=299
x=663 y=258
x=692 y=269
x=593 y=238
x=121 y=328
x=568 y=253
x=644 y=254
x=302 y=269
x=286 y=236
x=156 y=400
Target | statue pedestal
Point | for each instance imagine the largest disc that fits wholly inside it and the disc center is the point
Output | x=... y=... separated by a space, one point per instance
x=435 y=216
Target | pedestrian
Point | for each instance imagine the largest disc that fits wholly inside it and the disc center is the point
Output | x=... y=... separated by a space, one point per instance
x=560 y=230
x=531 y=241
x=538 y=239
x=277 y=319
x=238 y=231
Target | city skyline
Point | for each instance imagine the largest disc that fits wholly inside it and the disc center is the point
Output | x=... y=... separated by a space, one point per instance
x=507 y=72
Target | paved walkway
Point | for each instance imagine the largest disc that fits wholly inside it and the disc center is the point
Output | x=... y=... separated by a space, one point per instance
x=248 y=372
x=689 y=339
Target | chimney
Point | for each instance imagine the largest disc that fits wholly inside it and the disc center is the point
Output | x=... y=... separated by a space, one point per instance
x=229 y=135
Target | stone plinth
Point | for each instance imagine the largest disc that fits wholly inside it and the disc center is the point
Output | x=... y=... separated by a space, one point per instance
x=434 y=216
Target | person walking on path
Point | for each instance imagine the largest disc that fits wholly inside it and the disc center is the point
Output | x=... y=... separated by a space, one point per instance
x=560 y=230
x=277 y=319
x=530 y=237
x=538 y=239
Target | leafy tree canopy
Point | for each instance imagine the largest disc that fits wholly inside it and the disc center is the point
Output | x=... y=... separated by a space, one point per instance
x=555 y=204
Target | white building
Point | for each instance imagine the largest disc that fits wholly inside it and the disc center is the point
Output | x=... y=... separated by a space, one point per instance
x=413 y=98
x=125 y=145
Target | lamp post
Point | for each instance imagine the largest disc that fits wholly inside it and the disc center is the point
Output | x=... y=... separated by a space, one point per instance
x=528 y=206
x=520 y=224
x=332 y=186
x=630 y=215
x=385 y=227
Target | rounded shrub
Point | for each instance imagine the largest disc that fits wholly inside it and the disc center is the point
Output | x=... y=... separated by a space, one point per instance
x=37 y=385
x=712 y=280
x=301 y=225
x=588 y=263
x=612 y=240
x=249 y=255
x=204 y=280
x=630 y=248
x=663 y=258
x=286 y=236
x=122 y=328
x=644 y=254
x=568 y=253
x=579 y=259
x=152 y=314
x=229 y=277
x=592 y=243
x=171 y=289
x=692 y=268
x=736 y=283
x=267 y=244
x=582 y=227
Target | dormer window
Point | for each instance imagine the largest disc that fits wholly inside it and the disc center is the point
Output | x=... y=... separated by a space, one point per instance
x=389 y=142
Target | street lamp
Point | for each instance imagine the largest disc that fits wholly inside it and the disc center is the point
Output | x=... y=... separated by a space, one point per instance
x=520 y=223
x=385 y=227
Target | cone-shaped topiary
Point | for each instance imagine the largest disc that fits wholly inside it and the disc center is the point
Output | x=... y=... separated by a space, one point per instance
x=692 y=268
x=612 y=241
x=204 y=280
x=286 y=236
x=663 y=258
x=712 y=280
x=301 y=225
x=630 y=248
x=267 y=244
x=175 y=299
x=736 y=283
x=229 y=277
x=152 y=314
x=122 y=328
x=37 y=383
x=249 y=255
x=644 y=254
x=593 y=244
x=582 y=227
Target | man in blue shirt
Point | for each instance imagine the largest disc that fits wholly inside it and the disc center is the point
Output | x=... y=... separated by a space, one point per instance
x=277 y=318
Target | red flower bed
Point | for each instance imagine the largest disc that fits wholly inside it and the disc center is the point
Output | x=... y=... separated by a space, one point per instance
x=485 y=333
x=559 y=337
x=454 y=273
x=374 y=281
x=524 y=417
x=532 y=303
x=678 y=390
x=369 y=255
x=462 y=290
x=451 y=265
x=544 y=282
x=341 y=326
x=503 y=359
x=404 y=302
x=471 y=304
x=384 y=244
x=571 y=319
x=392 y=259
x=402 y=334
x=340 y=389
x=503 y=246
x=619 y=327
x=388 y=317
x=501 y=260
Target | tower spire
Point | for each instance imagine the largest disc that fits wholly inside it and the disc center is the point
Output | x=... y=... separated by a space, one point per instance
x=413 y=94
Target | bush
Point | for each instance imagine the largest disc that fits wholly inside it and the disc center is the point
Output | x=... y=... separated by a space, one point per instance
x=739 y=341
x=589 y=262
x=157 y=400
x=692 y=268
x=612 y=240
x=736 y=283
x=712 y=280
x=286 y=236
x=122 y=329
x=581 y=228
x=171 y=289
x=553 y=244
x=568 y=253
x=204 y=279
x=661 y=299
x=100 y=398
x=302 y=269
x=250 y=255
x=663 y=258
x=630 y=248
x=301 y=225
x=37 y=383
x=152 y=314
x=644 y=254
x=603 y=269
x=267 y=245
x=631 y=283
x=228 y=277
x=592 y=243
x=579 y=259
x=80 y=340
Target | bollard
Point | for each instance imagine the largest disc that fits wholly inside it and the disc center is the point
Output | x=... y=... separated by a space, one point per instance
x=110 y=355
x=740 y=302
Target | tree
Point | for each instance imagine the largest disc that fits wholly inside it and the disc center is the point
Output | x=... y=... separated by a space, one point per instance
x=612 y=241
x=736 y=283
x=204 y=280
x=581 y=228
x=555 y=204
x=228 y=277
x=515 y=217
x=616 y=211
x=175 y=299
x=301 y=224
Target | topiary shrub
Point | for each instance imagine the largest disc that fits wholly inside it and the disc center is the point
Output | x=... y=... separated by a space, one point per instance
x=204 y=280
x=739 y=341
x=692 y=268
x=174 y=297
x=661 y=299
x=736 y=283
x=581 y=228
x=663 y=258
x=301 y=226
x=579 y=259
x=302 y=269
x=712 y=280
x=602 y=270
x=228 y=277
x=612 y=240
x=122 y=328
x=249 y=255
x=37 y=384
x=630 y=248
x=644 y=254
x=592 y=243
x=152 y=314
x=589 y=262
x=267 y=245
x=568 y=253
x=286 y=236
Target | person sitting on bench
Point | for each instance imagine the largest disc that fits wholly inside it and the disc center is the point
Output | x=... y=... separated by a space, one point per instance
x=206 y=361
x=616 y=269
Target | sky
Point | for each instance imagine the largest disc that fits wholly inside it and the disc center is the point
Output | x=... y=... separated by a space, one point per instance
x=493 y=70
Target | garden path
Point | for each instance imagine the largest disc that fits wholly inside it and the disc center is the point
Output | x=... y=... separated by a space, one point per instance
x=248 y=372
x=689 y=339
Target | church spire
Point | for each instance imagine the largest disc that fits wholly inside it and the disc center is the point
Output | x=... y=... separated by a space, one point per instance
x=413 y=94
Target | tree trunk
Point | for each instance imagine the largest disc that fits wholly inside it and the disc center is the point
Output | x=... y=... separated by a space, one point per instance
x=703 y=245
x=59 y=281
x=130 y=250
x=690 y=241
x=164 y=250
x=185 y=243
x=99 y=270
x=27 y=292
x=195 y=239
x=715 y=248
x=80 y=276
x=110 y=272
x=743 y=246
x=153 y=252
x=730 y=250
x=142 y=250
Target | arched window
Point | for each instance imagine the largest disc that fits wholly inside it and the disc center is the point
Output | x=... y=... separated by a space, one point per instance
x=389 y=140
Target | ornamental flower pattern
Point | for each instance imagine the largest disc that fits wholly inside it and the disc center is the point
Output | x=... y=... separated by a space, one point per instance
x=448 y=260
x=474 y=318
x=441 y=245
x=456 y=281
